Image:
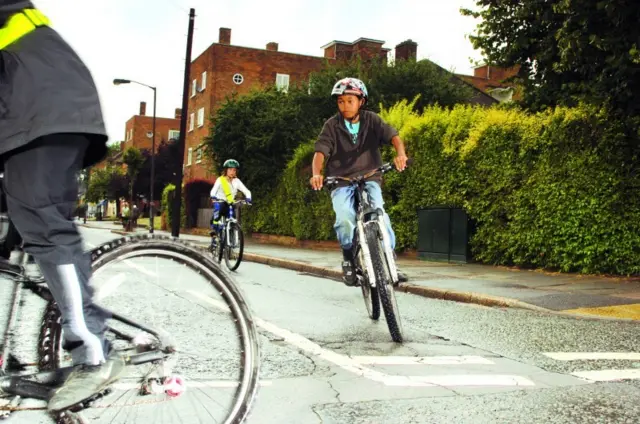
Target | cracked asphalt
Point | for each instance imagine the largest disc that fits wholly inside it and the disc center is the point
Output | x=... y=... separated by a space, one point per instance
x=324 y=361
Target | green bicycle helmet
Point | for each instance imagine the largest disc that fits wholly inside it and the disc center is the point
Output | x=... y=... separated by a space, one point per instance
x=231 y=163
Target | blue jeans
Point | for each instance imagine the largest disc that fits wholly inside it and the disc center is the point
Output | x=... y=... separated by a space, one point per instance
x=343 y=200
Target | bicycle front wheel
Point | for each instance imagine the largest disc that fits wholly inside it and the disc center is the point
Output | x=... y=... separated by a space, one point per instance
x=171 y=287
x=234 y=247
x=383 y=283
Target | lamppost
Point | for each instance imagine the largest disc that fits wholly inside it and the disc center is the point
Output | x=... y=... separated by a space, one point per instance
x=118 y=81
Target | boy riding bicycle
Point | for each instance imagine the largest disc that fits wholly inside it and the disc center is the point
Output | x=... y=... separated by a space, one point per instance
x=351 y=141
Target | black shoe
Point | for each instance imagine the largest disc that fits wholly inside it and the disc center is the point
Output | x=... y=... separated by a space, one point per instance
x=402 y=277
x=86 y=381
x=348 y=274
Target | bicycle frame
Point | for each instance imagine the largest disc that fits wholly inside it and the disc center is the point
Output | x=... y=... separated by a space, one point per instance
x=366 y=215
x=230 y=218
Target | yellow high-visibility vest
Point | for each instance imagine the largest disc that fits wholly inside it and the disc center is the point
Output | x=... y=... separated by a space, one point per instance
x=21 y=24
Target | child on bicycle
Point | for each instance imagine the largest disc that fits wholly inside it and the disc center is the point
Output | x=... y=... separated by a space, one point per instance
x=351 y=141
x=225 y=189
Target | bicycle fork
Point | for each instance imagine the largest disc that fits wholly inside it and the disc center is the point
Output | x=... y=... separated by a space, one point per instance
x=366 y=253
x=386 y=245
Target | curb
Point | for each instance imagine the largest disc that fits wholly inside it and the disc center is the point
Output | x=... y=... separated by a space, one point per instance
x=423 y=291
x=429 y=292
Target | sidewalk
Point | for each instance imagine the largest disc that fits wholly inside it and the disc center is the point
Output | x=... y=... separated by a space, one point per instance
x=473 y=283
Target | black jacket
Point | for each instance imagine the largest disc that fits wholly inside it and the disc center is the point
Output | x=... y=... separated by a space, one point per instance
x=346 y=159
x=45 y=88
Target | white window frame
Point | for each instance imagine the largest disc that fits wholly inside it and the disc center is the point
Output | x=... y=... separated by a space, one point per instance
x=189 y=156
x=203 y=83
x=192 y=118
x=282 y=82
x=200 y=117
x=194 y=87
x=173 y=132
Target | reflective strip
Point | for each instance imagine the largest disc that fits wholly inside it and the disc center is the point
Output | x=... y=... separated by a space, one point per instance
x=226 y=187
x=21 y=24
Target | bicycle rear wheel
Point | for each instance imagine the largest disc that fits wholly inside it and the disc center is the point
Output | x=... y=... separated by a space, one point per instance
x=234 y=247
x=215 y=367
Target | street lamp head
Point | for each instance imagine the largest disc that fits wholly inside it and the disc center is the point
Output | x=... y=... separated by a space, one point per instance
x=119 y=81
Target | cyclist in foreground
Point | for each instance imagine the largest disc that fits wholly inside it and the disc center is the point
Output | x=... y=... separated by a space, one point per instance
x=50 y=129
x=351 y=141
x=225 y=189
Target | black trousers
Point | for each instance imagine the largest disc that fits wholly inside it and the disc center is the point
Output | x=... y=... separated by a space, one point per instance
x=41 y=188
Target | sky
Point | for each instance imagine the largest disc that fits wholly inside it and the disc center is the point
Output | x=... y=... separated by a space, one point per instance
x=145 y=40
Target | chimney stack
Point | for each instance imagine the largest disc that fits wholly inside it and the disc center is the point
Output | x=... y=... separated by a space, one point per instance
x=407 y=50
x=272 y=47
x=178 y=113
x=143 y=108
x=224 y=36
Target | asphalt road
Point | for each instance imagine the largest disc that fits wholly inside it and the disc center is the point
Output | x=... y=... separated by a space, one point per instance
x=324 y=361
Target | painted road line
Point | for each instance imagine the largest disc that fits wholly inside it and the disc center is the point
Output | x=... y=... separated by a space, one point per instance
x=351 y=365
x=110 y=286
x=609 y=375
x=470 y=380
x=424 y=360
x=593 y=356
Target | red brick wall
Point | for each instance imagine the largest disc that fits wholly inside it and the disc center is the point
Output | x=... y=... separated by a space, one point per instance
x=141 y=125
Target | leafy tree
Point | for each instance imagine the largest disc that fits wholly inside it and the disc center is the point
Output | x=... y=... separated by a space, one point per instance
x=164 y=172
x=568 y=50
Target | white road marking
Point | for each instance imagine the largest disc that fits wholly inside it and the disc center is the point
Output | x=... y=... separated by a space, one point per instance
x=350 y=364
x=110 y=286
x=131 y=264
x=424 y=360
x=609 y=375
x=471 y=380
x=581 y=356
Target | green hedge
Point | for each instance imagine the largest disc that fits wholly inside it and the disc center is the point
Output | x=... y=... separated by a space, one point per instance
x=555 y=190
x=167 y=205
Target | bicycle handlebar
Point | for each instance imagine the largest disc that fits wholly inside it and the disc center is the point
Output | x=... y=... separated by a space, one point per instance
x=236 y=202
x=389 y=166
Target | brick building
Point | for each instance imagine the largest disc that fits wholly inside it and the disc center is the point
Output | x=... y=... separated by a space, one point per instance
x=139 y=129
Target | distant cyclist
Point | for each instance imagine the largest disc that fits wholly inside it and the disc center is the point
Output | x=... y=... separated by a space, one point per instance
x=225 y=189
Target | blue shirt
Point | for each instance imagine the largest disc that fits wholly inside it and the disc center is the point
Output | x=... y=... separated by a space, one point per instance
x=353 y=130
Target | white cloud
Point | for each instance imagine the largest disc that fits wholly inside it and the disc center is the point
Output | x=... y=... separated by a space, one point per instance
x=145 y=40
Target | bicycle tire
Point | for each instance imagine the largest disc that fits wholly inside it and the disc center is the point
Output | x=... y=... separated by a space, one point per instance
x=50 y=337
x=383 y=283
x=371 y=297
x=227 y=248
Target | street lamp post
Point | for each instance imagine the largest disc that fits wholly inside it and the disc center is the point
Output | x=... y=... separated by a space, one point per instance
x=118 y=81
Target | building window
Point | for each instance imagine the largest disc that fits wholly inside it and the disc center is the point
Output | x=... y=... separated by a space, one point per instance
x=192 y=119
x=189 y=155
x=174 y=134
x=194 y=87
x=199 y=154
x=238 y=79
x=203 y=84
x=200 y=117
x=282 y=82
